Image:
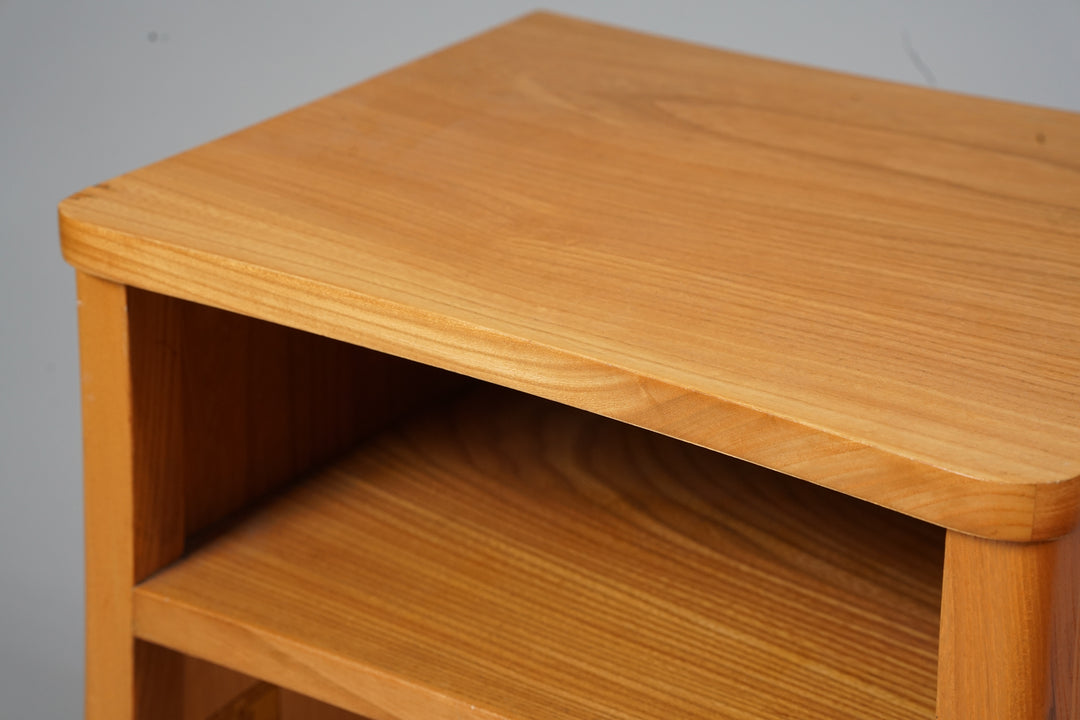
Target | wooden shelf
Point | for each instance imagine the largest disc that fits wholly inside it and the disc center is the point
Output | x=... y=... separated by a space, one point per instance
x=501 y=556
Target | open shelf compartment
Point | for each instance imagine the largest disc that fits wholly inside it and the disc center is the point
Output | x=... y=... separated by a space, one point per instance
x=501 y=556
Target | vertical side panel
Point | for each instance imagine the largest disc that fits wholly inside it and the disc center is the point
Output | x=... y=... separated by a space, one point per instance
x=230 y=408
x=209 y=687
x=157 y=430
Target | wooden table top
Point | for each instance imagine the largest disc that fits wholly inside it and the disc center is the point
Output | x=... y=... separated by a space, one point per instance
x=866 y=285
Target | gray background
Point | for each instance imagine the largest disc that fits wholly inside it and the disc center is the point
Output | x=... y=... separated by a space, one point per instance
x=91 y=90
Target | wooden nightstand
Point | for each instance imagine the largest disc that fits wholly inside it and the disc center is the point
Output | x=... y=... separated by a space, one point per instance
x=361 y=385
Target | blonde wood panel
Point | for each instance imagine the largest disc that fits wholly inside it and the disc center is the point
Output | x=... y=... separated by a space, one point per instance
x=157 y=428
x=865 y=285
x=1010 y=638
x=506 y=557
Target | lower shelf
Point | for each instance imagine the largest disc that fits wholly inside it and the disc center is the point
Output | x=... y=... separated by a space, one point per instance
x=506 y=557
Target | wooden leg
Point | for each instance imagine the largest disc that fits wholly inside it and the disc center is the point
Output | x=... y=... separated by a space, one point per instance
x=126 y=536
x=106 y=461
x=1010 y=637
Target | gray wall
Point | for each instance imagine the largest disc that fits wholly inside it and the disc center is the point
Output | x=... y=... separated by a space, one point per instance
x=91 y=90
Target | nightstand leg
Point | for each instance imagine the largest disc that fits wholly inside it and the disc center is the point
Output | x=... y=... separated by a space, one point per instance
x=1010 y=631
x=128 y=529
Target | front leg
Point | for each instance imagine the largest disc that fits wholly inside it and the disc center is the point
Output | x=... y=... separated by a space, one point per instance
x=1010 y=633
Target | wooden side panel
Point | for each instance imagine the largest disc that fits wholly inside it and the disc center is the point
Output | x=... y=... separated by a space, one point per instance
x=643 y=577
x=261 y=701
x=210 y=689
x=189 y=415
x=235 y=407
x=1010 y=640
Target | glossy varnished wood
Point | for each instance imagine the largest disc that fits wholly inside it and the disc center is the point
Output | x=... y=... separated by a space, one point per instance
x=107 y=507
x=506 y=557
x=868 y=286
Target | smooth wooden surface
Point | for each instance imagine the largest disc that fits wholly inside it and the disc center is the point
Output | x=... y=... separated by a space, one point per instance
x=507 y=557
x=190 y=414
x=869 y=286
x=125 y=535
x=236 y=407
x=110 y=573
x=1010 y=630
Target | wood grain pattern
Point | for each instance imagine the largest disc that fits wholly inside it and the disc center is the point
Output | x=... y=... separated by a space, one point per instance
x=118 y=550
x=506 y=557
x=190 y=414
x=868 y=286
x=236 y=407
x=1010 y=630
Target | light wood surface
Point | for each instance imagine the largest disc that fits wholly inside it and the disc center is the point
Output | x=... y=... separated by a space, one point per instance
x=869 y=286
x=507 y=557
x=1010 y=630
x=863 y=285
